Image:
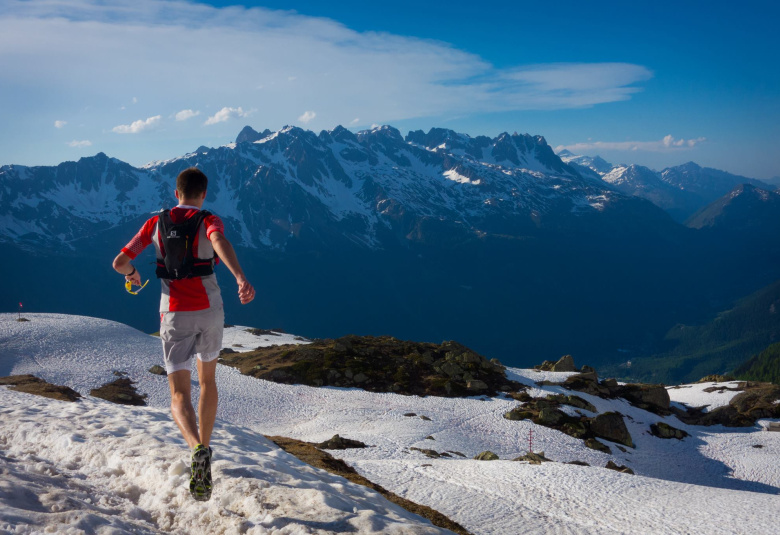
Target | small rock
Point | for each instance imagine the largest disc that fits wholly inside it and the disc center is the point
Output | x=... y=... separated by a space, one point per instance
x=578 y=463
x=619 y=468
x=486 y=456
x=594 y=444
x=410 y=414
x=158 y=370
x=423 y=417
x=429 y=437
x=533 y=458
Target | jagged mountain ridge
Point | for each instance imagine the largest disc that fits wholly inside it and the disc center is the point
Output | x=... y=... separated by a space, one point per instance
x=680 y=190
x=276 y=188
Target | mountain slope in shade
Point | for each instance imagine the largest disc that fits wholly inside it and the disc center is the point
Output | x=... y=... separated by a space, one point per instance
x=746 y=208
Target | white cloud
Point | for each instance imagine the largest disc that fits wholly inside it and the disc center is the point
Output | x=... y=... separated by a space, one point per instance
x=137 y=126
x=60 y=124
x=307 y=116
x=225 y=114
x=667 y=144
x=354 y=121
x=135 y=100
x=198 y=53
x=183 y=115
x=80 y=144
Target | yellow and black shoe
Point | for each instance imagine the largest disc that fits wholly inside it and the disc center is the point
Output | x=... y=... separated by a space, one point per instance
x=200 y=480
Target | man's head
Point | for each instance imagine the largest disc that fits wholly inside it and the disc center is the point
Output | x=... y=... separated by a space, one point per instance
x=191 y=184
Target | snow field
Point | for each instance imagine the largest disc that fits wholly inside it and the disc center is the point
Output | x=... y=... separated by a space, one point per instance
x=96 y=467
x=714 y=481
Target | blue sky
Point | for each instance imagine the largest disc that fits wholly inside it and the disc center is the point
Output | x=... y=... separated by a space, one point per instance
x=654 y=83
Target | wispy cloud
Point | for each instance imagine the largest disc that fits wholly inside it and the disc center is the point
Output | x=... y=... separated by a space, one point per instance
x=138 y=126
x=183 y=115
x=226 y=114
x=307 y=116
x=666 y=144
x=80 y=144
x=60 y=124
x=204 y=54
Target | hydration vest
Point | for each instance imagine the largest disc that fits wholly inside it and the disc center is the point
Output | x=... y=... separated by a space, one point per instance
x=177 y=248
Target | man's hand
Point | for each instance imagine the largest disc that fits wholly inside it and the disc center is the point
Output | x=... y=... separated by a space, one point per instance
x=245 y=291
x=135 y=278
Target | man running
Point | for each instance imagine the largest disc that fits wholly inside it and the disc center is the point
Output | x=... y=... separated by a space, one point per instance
x=191 y=313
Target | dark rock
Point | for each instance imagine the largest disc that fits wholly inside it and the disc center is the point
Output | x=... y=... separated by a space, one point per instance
x=533 y=458
x=545 y=366
x=459 y=454
x=410 y=414
x=664 y=430
x=578 y=463
x=716 y=379
x=565 y=364
x=21 y=319
x=588 y=383
x=486 y=456
x=338 y=443
x=610 y=426
x=30 y=384
x=550 y=417
x=622 y=469
x=757 y=400
x=158 y=370
x=433 y=454
x=654 y=398
x=594 y=444
x=429 y=437
x=227 y=351
x=120 y=391
x=378 y=364
x=423 y=417
x=574 y=401
x=588 y=369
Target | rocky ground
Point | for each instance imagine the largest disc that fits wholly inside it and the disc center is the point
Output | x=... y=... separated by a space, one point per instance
x=377 y=364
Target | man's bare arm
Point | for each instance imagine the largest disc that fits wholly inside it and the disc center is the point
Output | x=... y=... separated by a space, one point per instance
x=122 y=266
x=225 y=251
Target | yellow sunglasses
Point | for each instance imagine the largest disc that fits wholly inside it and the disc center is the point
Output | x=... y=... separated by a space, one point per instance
x=129 y=287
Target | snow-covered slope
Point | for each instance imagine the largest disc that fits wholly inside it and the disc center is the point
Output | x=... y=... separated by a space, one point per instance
x=714 y=481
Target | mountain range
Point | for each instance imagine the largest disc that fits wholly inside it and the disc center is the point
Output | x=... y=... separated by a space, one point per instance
x=498 y=242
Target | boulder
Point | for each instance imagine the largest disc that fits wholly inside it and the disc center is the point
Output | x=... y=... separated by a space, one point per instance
x=664 y=430
x=550 y=417
x=338 y=443
x=545 y=366
x=654 y=398
x=610 y=426
x=476 y=385
x=565 y=364
x=486 y=456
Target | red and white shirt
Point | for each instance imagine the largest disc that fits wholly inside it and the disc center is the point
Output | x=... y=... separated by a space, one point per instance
x=184 y=295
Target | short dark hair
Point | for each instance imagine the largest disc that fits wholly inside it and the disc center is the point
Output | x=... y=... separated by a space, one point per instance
x=191 y=183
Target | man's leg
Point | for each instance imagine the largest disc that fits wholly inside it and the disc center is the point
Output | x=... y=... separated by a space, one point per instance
x=207 y=404
x=181 y=406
